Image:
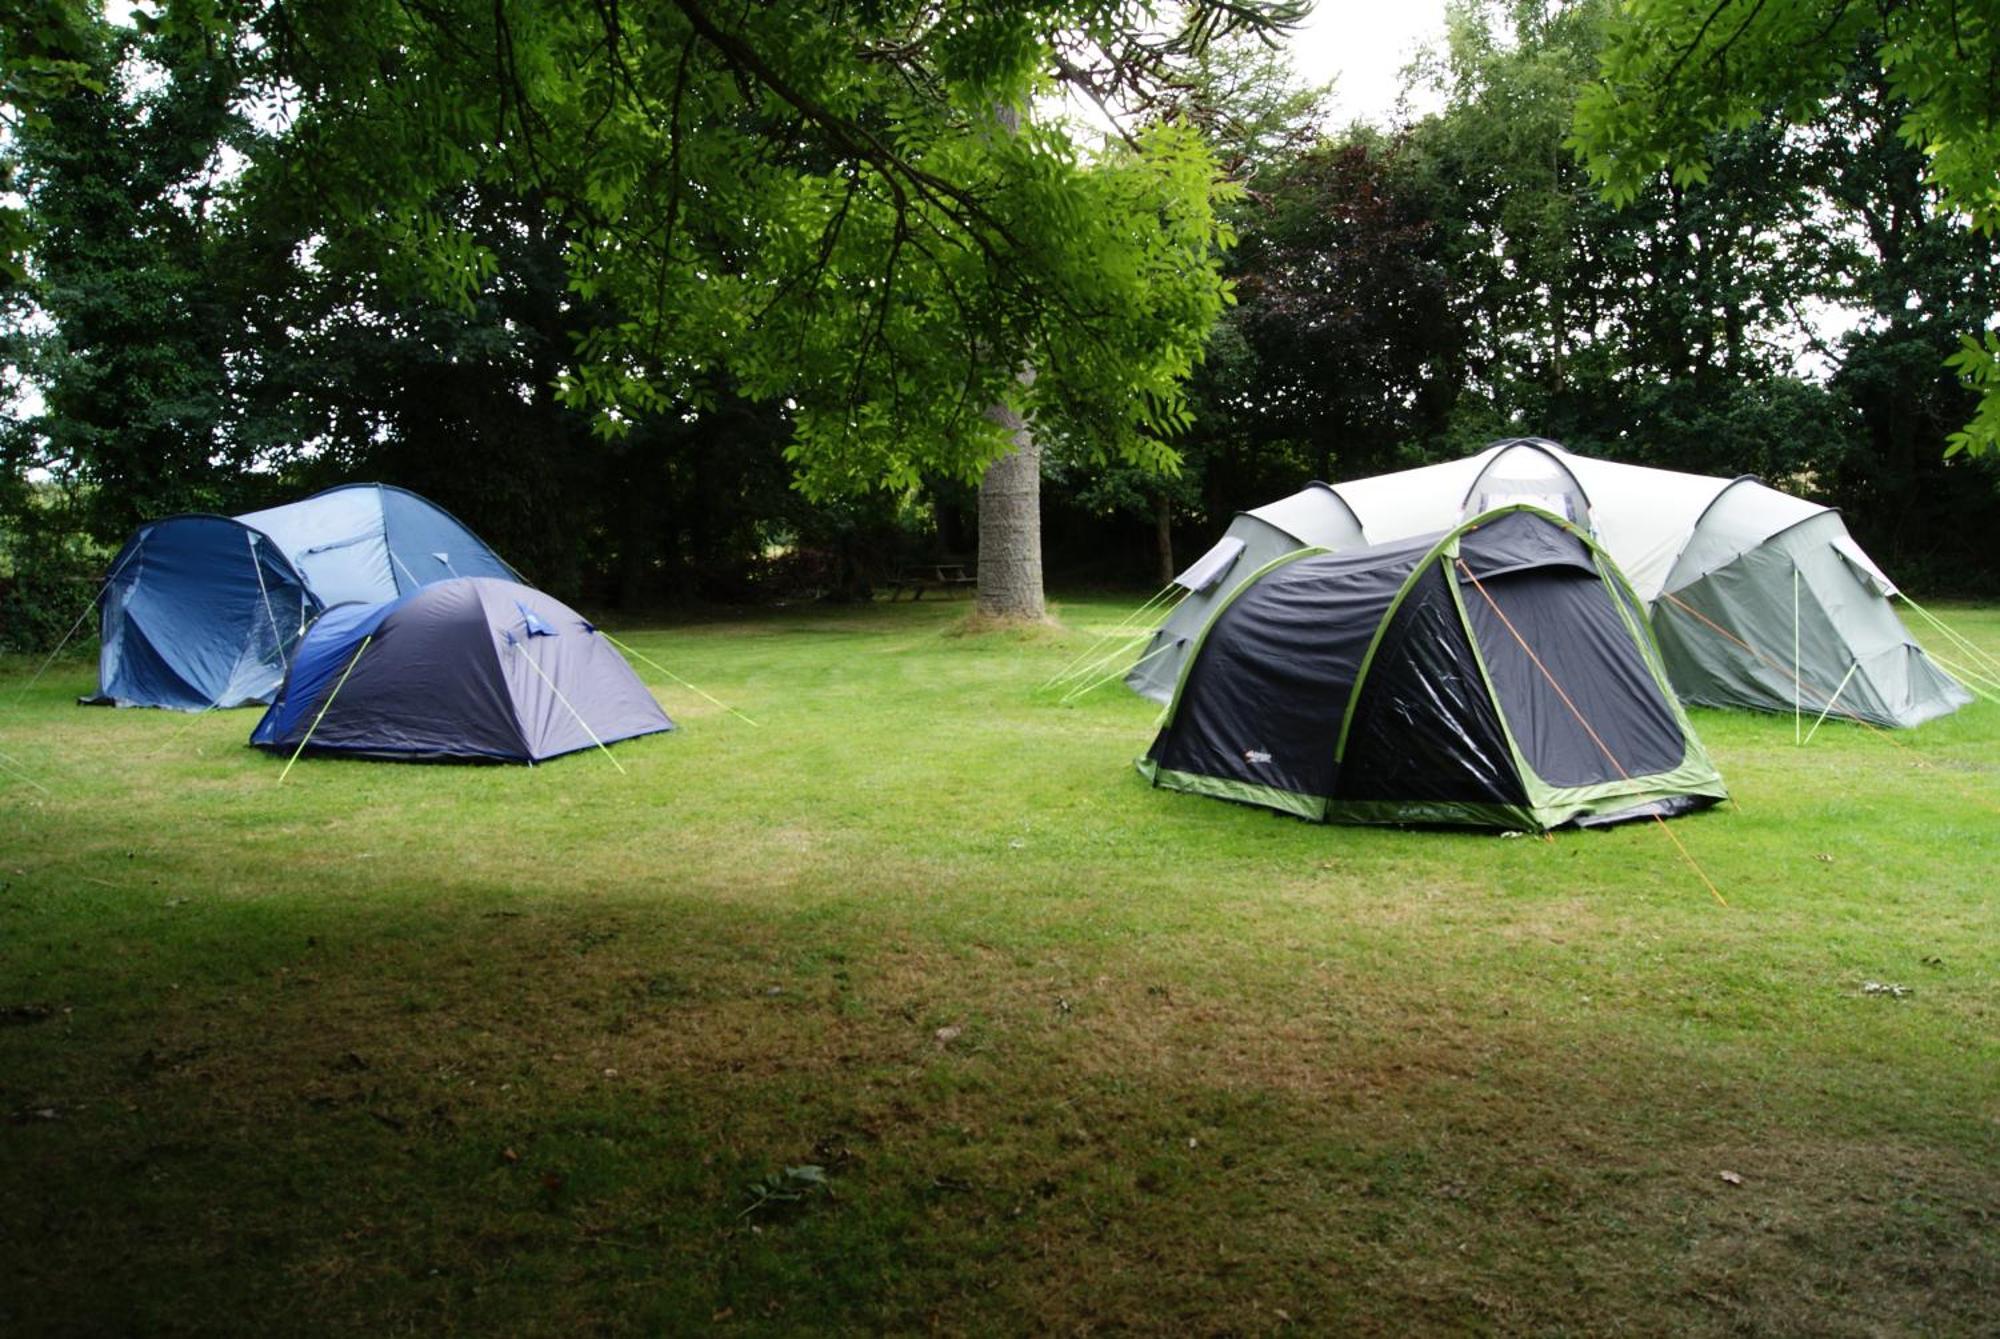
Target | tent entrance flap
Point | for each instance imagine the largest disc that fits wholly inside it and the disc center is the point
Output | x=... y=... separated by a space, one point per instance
x=1424 y=729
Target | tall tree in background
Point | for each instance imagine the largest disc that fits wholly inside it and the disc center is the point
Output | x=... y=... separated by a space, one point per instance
x=1675 y=72
x=1642 y=331
x=814 y=199
x=48 y=50
x=123 y=187
x=1345 y=306
x=1916 y=279
x=1258 y=117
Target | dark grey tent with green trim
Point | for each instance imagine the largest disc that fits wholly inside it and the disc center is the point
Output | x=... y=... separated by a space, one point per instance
x=1313 y=517
x=1499 y=675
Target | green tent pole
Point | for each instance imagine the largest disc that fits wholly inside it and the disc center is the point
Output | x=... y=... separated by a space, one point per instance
x=1797 y=686
x=324 y=705
x=1830 y=701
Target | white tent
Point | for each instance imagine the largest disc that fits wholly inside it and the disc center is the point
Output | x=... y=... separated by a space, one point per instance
x=1759 y=599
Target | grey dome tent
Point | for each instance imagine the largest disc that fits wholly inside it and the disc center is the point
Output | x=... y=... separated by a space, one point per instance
x=200 y=611
x=1498 y=675
x=1728 y=569
x=469 y=669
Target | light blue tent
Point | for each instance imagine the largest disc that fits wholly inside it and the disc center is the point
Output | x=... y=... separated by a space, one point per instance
x=201 y=611
x=373 y=542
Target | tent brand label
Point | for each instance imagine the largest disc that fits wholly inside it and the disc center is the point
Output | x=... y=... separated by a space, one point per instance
x=1255 y=755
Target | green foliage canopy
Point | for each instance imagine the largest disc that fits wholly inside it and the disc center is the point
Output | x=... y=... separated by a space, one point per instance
x=1676 y=71
x=826 y=201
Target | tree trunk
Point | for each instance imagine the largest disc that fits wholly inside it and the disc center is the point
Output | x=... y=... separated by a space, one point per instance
x=1010 y=500
x=1163 y=537
x=1010 y=526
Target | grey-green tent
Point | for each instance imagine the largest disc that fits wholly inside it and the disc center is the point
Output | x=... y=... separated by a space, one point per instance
x=1759 y=599
x=1500 y=674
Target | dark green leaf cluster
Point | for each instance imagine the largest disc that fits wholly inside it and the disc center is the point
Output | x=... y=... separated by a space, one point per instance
x=1675 y=72
x=837 y=208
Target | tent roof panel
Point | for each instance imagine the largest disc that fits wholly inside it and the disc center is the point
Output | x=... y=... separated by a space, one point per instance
x=373 y=541
x=1420 y=501
x=1744 y=513
x=1316 y=516
x=336 y=538
x=1643 y=515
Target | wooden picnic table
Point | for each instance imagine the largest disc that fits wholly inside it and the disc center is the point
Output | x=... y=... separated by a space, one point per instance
x=931 y=576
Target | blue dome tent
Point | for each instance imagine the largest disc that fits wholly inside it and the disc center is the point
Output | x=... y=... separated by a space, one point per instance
x=184 y=616
x=198 y=612
x=470 y=669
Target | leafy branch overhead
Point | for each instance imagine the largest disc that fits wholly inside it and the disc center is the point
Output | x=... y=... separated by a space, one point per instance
x=1676 y=72
x=45 y=51
x=815 y=204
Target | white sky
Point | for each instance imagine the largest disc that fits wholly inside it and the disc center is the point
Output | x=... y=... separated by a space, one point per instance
x=1363 y=45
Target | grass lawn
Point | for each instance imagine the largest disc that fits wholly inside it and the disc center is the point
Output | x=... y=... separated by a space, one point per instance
x=405 y=1049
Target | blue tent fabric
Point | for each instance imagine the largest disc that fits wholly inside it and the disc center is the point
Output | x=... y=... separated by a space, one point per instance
x=198 y=612
x=449 y=672
x=183 y=618
x=321 y=656
x=373 y=542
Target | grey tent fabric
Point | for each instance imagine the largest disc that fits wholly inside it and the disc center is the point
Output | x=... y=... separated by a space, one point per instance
x=1854 y=655
x=1712 y=559
x=1212 y=566
x=1760 y=566
x=1314 y=517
